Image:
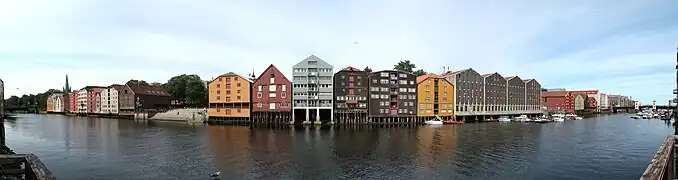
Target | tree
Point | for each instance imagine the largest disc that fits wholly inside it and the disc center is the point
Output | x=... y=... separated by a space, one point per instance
x=420 y=72
x=189 y=89
x=367 y=69
x=157 y=84
x=134 y=81
x=405 y=66
x=543 y=89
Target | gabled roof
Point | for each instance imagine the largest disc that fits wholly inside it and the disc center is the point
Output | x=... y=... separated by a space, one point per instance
x=148 y=90
x=92 y=87
x=350 y=68
x=312 y=58
x=486 y=75
x=555 y=94
x=273 y=68
x=228 y=74
x=455 y=72
x=117 y=87
x=424 y=77
x=527 y=80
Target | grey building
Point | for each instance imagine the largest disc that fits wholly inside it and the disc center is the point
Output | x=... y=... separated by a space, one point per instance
x=532 y=95
x=556 y=89
x=495 y=93
x=469 y=91
x=312 y=89
x=515 y=93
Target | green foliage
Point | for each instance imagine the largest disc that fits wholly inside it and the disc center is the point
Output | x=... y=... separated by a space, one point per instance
x=157 y=84
x=39 y=100
x=543 y=89
x=407 y=66
x=188 y=89
x=367 y=69
x=134 y=81
x=420 y=72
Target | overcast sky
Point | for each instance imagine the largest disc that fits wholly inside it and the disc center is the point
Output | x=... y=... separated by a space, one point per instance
x=625 y=47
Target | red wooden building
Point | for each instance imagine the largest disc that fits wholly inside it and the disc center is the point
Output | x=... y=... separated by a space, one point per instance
x=73 y=102
x=593 y=104
x=558 y=101
x=271 y=97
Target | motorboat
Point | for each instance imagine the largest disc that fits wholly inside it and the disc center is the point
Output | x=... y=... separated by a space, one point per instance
x=636 y=117
x=542 y=120
x=504 y=119
x=558 y=117
x=435 y=121
x=578 y=118
x=571 y=116
x=522 y=118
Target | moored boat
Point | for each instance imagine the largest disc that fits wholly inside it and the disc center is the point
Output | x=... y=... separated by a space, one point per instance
x=453 y=122
x=504 y=119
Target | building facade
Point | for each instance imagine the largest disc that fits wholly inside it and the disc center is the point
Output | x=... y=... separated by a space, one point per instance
x=604 y=102
x=393 y=94
x=271 y=97
x=469 y=86
x=74 y=101
x=532 y=95
x=580 y=101
x=82 y=100
x=312 y=87
x=515 y=94
x=435 y=97
x=59 y=103
x=109 y=99
x=229 y=97
x=495 y=93
x=140 y=98
x=558 y=101
x=593 y=104
x=351 y=93
x=50 y=103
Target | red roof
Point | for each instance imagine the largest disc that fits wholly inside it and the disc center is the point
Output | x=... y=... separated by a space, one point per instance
x=424 y=77
x=555 y=94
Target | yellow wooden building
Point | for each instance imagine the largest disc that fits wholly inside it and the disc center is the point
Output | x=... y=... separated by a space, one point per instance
x=435 y=97
x=229 y=97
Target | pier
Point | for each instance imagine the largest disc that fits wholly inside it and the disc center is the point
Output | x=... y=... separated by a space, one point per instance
x=663 y=164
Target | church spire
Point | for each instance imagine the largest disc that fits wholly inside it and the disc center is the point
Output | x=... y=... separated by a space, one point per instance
x=67 y=88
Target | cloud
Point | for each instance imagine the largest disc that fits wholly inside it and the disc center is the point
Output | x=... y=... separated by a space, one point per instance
x=573 y=44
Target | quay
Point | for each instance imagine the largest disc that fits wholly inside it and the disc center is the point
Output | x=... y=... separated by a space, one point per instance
x=663 y=164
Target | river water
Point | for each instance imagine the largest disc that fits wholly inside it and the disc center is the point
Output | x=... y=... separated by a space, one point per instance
x=603 y=147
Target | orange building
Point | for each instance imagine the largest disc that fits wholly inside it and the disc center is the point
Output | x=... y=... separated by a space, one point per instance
x=50 y=103
x=435 y=97
x=229 y=98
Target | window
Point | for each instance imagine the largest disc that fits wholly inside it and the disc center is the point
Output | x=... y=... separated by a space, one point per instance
x=271 y=94
x=411 y=82
x=402 y=75
x=258 y=94
x=259 y=87
x=218 y=98
x=228 y=86
x=259 y=104
x=239 y=109
x=228 y=92
x=374 y=81
x=238 y=85
x=351 y=91
x=218 y=110
x=218 y=86
x=271 y=88
x=284 y=88
x=238 y=91
x=272 y=80
x=238 y=97
x=384 y=74
x=283 y=95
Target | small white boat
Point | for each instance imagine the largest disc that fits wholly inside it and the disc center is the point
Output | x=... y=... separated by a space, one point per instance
x=571 y=116
x=504 y=119
x=558 y=117
x=578 y=118
x=435 y=121
x=522 y=118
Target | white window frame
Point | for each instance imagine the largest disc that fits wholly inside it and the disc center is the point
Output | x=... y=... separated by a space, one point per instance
x=271 y=95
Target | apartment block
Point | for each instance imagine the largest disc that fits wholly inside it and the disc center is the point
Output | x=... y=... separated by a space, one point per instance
x=351 y=93
x=392 y=94
x=312 y=87
x=494 y=93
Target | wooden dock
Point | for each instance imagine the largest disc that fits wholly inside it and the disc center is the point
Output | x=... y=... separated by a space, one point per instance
x=662 y=165
x=23 y=166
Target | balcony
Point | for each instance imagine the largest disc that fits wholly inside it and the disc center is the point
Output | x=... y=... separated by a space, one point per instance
x=312 y=73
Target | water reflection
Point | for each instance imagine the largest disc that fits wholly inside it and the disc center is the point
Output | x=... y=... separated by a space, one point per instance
x=603 y=147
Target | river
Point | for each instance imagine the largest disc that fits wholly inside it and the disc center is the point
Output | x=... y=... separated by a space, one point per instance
x=602 y=147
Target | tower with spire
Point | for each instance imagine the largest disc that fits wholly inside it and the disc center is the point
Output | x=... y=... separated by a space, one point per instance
x=67 y=88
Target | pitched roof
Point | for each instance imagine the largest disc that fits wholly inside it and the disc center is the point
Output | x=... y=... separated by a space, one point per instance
x=148 y=90
x=117 y=87
x=555 y=94
x=233 y=74
x=510 y=77
x=275 y=69
x=321 y=62
x=527 y=80
x=92 y=87
x=350 y=68
x=454 y=72
x=424 y=77
x=486 y=75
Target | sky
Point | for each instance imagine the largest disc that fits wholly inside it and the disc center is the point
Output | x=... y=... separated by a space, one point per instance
x=618 y=47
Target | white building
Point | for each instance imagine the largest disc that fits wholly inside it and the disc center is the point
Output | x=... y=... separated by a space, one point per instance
x=82 y=101
x=604 y=102
x=58 y=103
x=109 y=101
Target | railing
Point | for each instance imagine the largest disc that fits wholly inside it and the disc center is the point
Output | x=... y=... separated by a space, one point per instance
x=23 y=166
x=662 y=165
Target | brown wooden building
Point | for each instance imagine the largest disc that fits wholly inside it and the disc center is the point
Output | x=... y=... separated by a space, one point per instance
x=393 y=97
x=351 y=93
x=271 y=97
x=138 y=98
x=229 y=98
